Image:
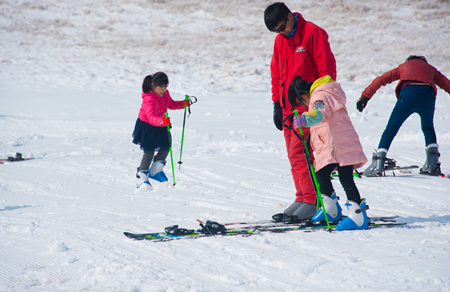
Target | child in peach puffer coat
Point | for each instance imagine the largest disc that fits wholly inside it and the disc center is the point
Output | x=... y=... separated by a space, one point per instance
x=336 y=145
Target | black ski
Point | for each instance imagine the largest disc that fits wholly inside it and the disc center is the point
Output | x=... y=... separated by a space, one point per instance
x=216 y=229
x=389 y=165
x=279 y=223
x=18 y=157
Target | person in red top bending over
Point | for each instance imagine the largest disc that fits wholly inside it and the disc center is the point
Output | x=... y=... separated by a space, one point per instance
x=301 y=49
x=416 y=93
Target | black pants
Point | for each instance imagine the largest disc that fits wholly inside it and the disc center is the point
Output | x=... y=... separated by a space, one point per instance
x=345 y=177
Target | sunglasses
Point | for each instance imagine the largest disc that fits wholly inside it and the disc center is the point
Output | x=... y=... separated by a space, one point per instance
x=283 y=27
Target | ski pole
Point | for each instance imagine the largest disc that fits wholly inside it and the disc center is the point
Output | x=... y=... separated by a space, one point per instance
x=312 y=172
x=182 y=135
x=170 y=147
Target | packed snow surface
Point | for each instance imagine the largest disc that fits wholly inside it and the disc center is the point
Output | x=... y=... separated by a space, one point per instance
x=70 y=85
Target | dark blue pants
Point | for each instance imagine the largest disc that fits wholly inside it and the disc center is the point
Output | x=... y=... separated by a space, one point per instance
x=418 y=99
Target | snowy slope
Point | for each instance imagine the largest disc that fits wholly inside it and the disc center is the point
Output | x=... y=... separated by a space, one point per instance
x=70 y=78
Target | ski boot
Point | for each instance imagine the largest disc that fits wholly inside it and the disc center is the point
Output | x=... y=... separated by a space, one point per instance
x=156 y=171
x=372 y=166
x=357 y=218
x=332 y=208
x=142 y=183
x=287 y=214
x=295 y=213
x=432 y=165
x=376 y=168
x=305 y=212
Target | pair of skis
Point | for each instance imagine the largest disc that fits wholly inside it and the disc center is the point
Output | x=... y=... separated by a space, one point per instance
x=18 y=157
x=404 y=169
x=390 y=165
x=211 y=228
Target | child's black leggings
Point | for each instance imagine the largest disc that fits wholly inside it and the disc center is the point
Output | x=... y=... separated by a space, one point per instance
x=148 y=157
x=345 y=177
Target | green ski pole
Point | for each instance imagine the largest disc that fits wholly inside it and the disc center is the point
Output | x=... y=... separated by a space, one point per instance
x=312 y=172
x=182 y=135
x=170 y=147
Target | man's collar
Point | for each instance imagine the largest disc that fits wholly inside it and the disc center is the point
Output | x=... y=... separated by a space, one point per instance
x=294 y=28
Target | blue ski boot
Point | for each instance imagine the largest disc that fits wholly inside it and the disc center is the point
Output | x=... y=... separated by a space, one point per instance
x=332 y=208
x=357 y=218
x=142 y=183
x=156 y=171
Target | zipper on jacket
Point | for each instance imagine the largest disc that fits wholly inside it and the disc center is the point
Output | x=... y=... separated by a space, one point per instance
x=164 y=106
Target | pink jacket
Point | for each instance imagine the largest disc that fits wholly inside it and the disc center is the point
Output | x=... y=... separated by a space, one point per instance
x=154 y=107
x=334 y=140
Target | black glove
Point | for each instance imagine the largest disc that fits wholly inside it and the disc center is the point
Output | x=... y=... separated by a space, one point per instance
x=278 y=116
x=362 y=102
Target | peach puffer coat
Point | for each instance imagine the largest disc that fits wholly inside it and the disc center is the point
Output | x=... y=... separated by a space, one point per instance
x=334 y=140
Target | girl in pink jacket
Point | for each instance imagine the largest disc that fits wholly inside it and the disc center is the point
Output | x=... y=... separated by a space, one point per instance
x=336 y=145
x=150 y=131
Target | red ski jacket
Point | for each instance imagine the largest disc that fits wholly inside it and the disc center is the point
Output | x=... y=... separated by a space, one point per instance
x=413 y=70
x=307 y=54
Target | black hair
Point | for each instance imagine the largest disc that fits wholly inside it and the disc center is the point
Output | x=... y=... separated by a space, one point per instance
x=158 y=79
x=412 y=57
x=274 y=14
x=297 y=88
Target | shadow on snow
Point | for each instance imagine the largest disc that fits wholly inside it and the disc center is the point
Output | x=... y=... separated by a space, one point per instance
x=14 y=208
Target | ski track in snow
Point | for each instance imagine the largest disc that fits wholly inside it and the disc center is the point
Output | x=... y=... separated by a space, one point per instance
x=70 y=77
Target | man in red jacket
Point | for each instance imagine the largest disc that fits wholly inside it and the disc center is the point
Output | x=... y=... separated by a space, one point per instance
x=301 y=49
x=416 y=93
